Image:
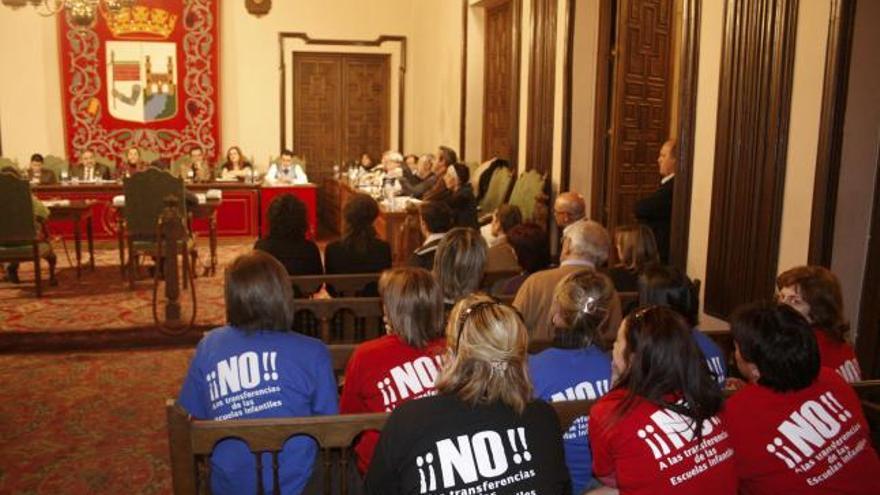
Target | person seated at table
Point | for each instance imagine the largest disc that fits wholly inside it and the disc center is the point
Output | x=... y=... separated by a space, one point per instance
x=366 y=162
x=434 y=187
x=286 y=171
x=483 y=429
x=814 y=292
x=132 y=163
x=235 y=166
x=659 y=429
x=386 y=173
x=291 y=375
x=461 y=198
x=359 y=250
x=415 y=176
x=796 y=426
x=636 y=250
x=37 y=174
x=196 y=169
x=578 y=364
x=413 y=309
x=287 y=237
x=435 y=219
x=41 y=215
x=89 y=170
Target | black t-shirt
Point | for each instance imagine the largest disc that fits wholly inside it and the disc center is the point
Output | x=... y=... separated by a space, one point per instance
x=441 y=446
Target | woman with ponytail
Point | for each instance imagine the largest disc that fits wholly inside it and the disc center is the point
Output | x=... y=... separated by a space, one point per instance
x=482 y=431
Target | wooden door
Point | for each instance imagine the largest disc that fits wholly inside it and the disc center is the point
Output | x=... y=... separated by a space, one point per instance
x=641 y=97
x=501 y=81
x=341 y=108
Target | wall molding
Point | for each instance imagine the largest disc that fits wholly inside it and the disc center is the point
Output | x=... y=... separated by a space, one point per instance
x=834 y=93
x=568 y=76
x=754 y=109
x=462 y=125
x=378 y=42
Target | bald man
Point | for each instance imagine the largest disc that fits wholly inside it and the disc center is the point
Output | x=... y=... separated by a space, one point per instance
x=568 y=208
x=655 y=210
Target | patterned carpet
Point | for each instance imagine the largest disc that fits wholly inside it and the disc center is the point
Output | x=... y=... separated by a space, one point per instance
x=70 y=423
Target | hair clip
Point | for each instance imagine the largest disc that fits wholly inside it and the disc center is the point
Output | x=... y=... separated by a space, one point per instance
x=590 y=305
x=498 y=366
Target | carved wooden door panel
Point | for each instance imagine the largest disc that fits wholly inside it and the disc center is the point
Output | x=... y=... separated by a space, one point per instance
x=501 y=82
x=641 y=101
x=341 y=108
x=366 y=104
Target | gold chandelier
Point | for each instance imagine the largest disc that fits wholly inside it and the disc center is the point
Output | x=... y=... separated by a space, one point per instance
x=81 y=12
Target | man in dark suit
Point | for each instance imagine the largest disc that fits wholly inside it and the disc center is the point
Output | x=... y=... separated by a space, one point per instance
x=88 y=169
x=37 y=174
x=655 y=210
x=435 y=218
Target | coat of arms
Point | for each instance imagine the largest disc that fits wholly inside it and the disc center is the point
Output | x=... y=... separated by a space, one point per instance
x=141 y=80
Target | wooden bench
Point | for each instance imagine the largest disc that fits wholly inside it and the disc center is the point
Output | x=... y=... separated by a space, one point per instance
x=192 y=441
x=341 y=319
x=350 y=284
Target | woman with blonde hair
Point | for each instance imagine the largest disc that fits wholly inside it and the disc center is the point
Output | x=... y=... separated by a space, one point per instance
x=402 y=365
x=578 y=365
x=636 y=250
x=482 y=429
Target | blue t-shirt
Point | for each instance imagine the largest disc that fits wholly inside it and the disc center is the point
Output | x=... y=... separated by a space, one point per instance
x=237 y=375
x=573 y=374
x=712 y=353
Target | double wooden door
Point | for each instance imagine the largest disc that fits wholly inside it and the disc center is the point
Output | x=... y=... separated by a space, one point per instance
x=341 y=108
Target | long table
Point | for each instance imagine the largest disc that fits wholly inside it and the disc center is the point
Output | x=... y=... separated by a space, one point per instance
x=242 y=212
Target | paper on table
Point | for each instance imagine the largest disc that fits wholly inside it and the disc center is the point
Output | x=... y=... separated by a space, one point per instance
x=119 y=200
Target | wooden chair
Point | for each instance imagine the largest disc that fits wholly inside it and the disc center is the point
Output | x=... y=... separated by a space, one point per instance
x=145 y=194
x=19 y=236
x=529 y=194
x=499 y=189
x=347 y=285
x=192 y=441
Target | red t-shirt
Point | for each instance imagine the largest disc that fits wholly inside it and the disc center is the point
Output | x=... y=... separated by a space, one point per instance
x=838 y=356
x=812 y=441
x=384 y=373
x=654 y=451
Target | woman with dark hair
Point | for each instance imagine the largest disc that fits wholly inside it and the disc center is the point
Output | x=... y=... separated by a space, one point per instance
x=482 y=431
x=578 y=365
x=236 y=166
x=287 y=237
x=658 y=430
x=460 y=196
x=459 y=264
x=662 y=285
x=797 y=427
x=359 y=250
x=815 y=293
x=529 y=243
x=256 y=367
x=636 y=249
x=402 y=365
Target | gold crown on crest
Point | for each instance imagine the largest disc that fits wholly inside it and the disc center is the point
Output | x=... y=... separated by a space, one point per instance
x=141 y=20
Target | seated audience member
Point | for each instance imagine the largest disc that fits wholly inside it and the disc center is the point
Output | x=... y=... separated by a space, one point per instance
x=88 y=169
x=815 y=293
x=636 y=249
x=435 y=219
x=291 y=376
x=131 y=164
x=286 y=171
x=359 y=250
x=38 y=174
x=529 y=243
x=796 y=427
x=41 y=215
x=578 y=366
x=658 y=431
x=568 y=208
x=375 y=374
x=667 y=286
x=235 y=166
x=196 y=169
x=585 y=246
x=484 y=400
x=459 y=264
x=287 y=237
x=434 y=187
x=502 y=257
x=461 y=196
